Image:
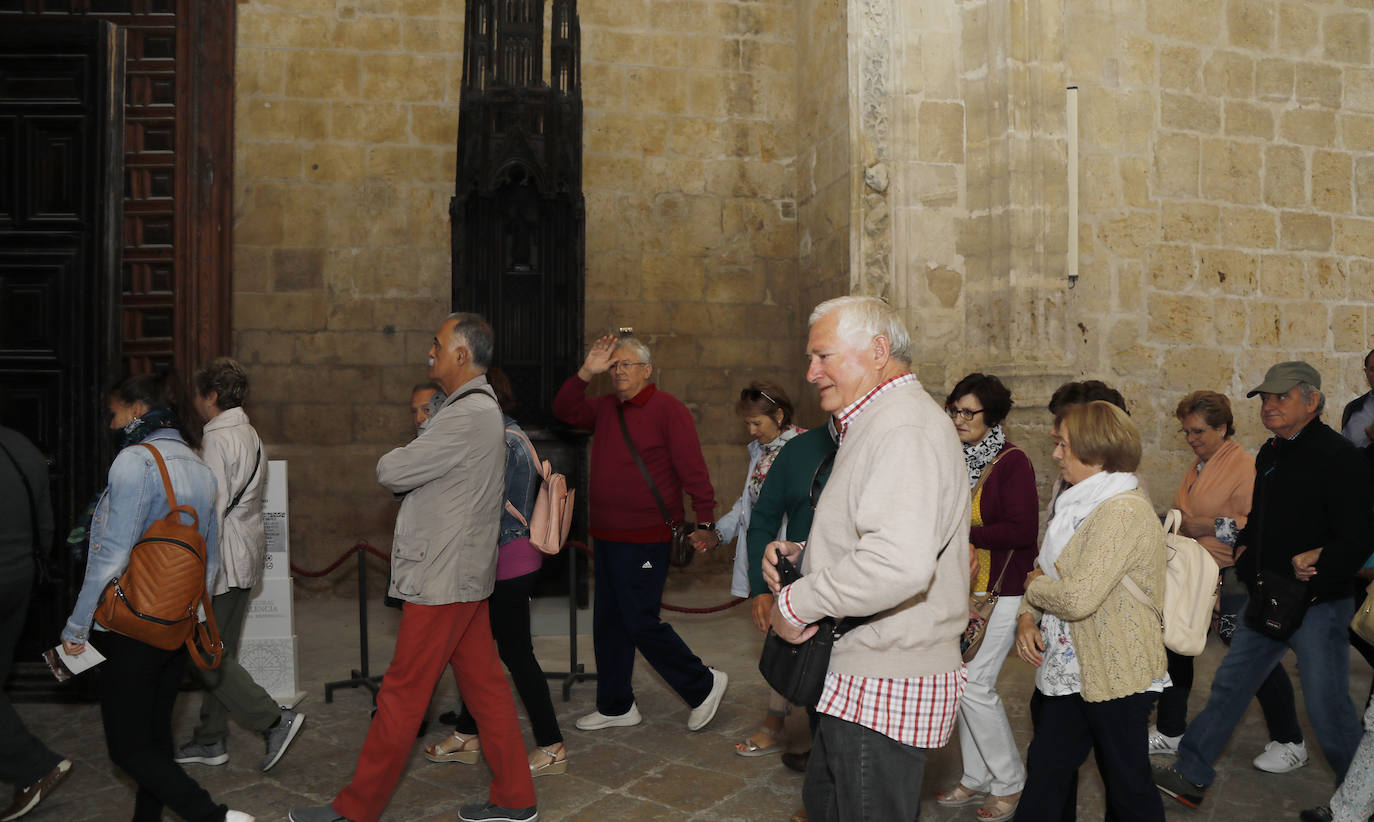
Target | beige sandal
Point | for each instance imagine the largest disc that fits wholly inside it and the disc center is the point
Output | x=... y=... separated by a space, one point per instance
x=455 y=748
x=959 y=797
x=999 y=808
x=549 y=761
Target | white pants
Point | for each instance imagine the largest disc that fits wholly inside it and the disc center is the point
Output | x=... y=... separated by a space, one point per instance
x=1354 y=799
x=992 y=762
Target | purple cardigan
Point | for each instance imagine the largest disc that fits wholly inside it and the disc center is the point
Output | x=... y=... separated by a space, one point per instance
x=1010 y=506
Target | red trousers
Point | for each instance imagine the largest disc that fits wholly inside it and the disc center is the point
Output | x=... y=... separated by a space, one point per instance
x=432 y=636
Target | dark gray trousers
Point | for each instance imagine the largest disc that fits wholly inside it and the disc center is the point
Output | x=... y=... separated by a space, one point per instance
x=23 y=758
x=858 y=775
x=229 y=689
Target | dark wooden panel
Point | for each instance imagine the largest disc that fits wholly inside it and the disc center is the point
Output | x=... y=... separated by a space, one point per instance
x=34 y=286
x=59 y=166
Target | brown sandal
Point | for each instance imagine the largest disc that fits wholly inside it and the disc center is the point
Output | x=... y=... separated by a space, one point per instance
x=455 y=748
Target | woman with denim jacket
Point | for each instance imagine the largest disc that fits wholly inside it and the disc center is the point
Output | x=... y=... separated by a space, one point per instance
x=517 y=565
x=138 y=683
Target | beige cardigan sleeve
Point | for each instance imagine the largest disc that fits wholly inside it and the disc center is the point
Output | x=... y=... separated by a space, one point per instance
x=1100 y=553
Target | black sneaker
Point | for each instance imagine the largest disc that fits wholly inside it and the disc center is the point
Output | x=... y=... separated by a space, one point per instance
x=1171 y=783
x=1321 y=813
x=487 y=812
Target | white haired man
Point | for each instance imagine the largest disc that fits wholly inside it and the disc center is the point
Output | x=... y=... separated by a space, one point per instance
x=897 y=501
x=631 y=538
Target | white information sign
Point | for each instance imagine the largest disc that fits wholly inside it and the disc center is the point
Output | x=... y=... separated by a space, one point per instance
x=268 y=649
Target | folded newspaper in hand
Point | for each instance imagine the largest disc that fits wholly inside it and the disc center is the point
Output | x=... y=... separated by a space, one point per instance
x=64 y=666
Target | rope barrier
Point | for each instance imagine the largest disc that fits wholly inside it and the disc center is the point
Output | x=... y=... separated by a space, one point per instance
x=577 y=544
x=334 y=566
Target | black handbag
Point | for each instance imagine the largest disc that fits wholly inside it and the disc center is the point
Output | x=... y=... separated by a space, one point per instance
x=680 y=550
x=797 y=671
x=1278 y=606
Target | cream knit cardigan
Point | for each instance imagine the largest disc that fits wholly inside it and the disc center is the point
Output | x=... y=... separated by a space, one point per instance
x=897 y=496
x=1118 y=640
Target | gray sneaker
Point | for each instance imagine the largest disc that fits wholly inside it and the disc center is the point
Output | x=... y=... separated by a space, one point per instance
x=487 y=812
x=216 y=753
x=279 y=736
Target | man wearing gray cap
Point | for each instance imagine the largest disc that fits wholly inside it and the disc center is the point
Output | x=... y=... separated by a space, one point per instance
x=1310 y=530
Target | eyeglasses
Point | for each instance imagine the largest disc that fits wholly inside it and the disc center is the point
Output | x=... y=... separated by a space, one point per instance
x=757 y=394
x=1193 y=432
x=961 y=413
x=622 y=367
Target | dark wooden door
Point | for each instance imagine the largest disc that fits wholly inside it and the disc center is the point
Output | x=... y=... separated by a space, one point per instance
x=61 y=115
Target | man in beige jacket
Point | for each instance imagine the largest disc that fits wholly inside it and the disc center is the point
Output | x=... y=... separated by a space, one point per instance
x=443 y=565
x=897 y=501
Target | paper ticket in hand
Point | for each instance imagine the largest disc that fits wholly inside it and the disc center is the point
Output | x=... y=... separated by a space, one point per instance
x=64 y=665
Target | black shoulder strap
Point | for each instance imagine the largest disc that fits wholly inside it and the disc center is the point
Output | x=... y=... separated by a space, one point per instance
x=257 y=459
x=33 y=509
x=817 y=482
x=643 y=469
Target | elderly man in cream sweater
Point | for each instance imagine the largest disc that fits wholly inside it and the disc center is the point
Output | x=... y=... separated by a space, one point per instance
x=880 y=546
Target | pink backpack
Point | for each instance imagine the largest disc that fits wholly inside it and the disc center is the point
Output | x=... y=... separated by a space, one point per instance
x=553 y=505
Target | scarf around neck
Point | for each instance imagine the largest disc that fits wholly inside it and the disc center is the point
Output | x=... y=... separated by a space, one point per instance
x=979 y=455
x=768 y=451
x=1073 y=507
x=139 y=428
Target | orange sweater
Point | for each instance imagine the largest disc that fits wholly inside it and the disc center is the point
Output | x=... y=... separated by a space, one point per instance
x=1223 y=489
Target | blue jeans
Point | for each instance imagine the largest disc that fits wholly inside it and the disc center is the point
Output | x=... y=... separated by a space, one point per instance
x=856 y=774
x=1324 y=665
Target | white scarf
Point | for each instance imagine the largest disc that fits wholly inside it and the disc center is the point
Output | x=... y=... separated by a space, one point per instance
x=1073 y=507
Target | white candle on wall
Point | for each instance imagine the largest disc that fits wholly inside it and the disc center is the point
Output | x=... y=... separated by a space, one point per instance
x=1071 y=130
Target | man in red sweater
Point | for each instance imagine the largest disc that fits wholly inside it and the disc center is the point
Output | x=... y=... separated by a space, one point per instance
x=631 y=537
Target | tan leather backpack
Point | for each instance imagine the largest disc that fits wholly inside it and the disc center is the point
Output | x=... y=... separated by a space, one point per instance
x=156 y=599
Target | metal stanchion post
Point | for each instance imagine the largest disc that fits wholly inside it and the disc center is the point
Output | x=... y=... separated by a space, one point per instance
x=359 y=677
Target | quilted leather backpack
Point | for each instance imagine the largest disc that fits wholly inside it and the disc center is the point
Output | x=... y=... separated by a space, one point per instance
x=156 y=599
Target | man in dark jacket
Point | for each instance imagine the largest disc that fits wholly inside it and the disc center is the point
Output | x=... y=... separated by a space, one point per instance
x=25 y=513
x=1310 y=522
x=1359 y=412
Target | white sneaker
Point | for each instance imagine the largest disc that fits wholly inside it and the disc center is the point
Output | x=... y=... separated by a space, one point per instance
x=1162 y=744
x=702 y=714
x=1282 y=757
x=238 y=816
x=596 y=720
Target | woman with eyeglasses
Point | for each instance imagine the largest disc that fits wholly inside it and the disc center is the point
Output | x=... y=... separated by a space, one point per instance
x=1088 y=623
x=1005 y=525
x=1214 y=497
x=767 y=413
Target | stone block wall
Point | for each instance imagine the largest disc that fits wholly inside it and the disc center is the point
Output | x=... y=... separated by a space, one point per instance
x=346 y=126
x=1224 y=227
x=1224 y=223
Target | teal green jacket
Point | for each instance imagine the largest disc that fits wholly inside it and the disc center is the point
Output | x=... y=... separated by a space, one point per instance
x=786 y=492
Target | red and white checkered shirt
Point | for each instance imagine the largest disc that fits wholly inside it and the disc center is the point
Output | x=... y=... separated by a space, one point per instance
x=917 y=711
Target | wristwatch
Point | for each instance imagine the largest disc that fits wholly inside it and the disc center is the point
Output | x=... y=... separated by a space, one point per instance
x=706 y=526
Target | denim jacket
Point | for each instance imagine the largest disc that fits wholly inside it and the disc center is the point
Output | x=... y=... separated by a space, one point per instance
x=522 y=484
x=133 y=500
